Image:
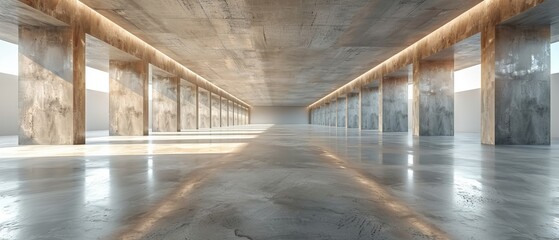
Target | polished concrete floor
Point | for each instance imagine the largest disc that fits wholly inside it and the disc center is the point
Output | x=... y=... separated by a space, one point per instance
x=279 y=182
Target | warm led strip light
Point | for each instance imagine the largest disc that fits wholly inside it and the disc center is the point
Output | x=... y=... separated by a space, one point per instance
x=471 y=21
x=124 y=31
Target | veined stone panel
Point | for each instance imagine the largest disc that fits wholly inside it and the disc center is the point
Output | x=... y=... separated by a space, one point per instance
x=224 y=112
x=164 y=103
x=394 y=105
x=369 y=108
x=216 y=110
x=203 y=108
x=187 y=105
x=128 y=100
x=231 y=111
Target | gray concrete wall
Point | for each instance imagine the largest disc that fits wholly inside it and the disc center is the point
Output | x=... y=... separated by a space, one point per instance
x=353 y=110
x=522 y=85
x=434 y=97
x=394 y=104
x=279 y=115
x=341 y=112
x=332 y=112
x=369 y=109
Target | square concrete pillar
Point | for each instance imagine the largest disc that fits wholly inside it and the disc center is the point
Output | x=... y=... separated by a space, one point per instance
x=341 y=111
x=333 y=112
x=51 y=85
x=128 y=98
x=393 y=104
x=353 y=110
x=215 y=111
x=433 y=100
x=515 y=85
x=204 y=108
x=165 y=103
x=369 y=108
x=187 y=101
x=224 y=112
x=230 y=113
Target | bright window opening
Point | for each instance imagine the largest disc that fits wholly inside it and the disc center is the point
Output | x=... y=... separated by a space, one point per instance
x=8 y=58
x=410 y=91
x=96 y=80
x=467 y=79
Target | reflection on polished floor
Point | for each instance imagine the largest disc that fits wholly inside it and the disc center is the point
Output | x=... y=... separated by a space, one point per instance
x=280 y=182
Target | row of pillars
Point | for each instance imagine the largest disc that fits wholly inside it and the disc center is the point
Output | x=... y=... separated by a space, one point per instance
x=515 y=92
x=52 y=93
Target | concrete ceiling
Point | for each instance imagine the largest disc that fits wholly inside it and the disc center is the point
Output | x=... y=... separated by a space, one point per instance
x=280 y=52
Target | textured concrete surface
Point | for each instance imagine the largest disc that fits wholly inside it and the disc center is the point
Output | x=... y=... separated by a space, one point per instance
x=341 y=111
x=164 y=104
x=485 y=15
x=393 y=104
x=516 y=85
x=231 y=113
x=240 y=45
x=51 y=85
x=333 y=113
x=433 y=98
x=128 y=101
x=187 y=105
x=369 y=108
x=353 y=110
x=204 y=108
x=216 y=110
x=280 y=182
x=224 y=112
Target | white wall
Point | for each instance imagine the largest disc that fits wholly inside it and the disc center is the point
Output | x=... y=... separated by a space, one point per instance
x=467 y=111
x=96 y=110
x=555 y=105
x=8 y=105
x=279 y=115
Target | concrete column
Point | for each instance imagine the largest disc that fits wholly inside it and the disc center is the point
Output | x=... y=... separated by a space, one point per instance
x=128 y=98
x=393 y=104
x=187 y=103
x=369 y=108
x=197 y=107
x=230 y=120
x=224 y=110
x=341 y=111
x=215 y=111
x=203 y=108
x=515 y=85
x=164 y=103
x=51 y=85
x=353 y=110
x=433 y=100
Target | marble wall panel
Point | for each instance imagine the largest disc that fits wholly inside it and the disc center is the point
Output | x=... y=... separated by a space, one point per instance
x=394 y=104
x=353 y=110
x=204 y=108
x=327 y=113
x=164 y=104
x=369 y=108
x=433 y=83
x=341 y=111
x=187 y=105
x=224 y=112
x=51 y=85
x=516 y=85
x=215 y=111
x=128 y=98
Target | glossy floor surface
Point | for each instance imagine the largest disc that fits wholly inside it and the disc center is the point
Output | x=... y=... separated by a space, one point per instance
x=280 y=182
